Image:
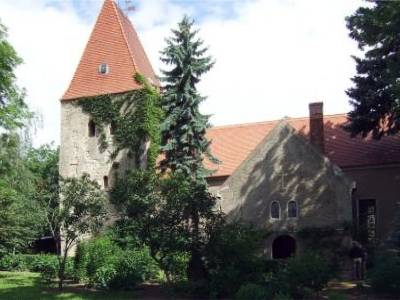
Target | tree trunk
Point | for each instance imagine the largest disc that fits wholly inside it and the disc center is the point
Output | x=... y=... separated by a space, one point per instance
x=196 y=269
x=61 y=270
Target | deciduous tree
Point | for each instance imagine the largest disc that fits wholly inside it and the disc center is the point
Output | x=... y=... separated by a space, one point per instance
x=83 y=211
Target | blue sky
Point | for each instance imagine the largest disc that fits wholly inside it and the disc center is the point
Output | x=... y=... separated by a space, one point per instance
x=273 y=57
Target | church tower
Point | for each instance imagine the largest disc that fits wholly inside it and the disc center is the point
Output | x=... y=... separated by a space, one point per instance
x=113 y=55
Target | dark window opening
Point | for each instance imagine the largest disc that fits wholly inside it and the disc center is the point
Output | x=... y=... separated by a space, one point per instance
x=367 y=220
x=103 y=69
x=92 y=128
x=275 y=210
x=292 y=209
x=284 y=246
x=113 y=127
x=105 y=182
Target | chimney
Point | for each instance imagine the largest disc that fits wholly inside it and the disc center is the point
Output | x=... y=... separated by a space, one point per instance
x=317 y=125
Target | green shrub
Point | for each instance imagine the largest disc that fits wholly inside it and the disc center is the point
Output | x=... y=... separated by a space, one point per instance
x=48 y=269
x=81 y=261
x=176 y=265
x=102 y=258
x=385 y=276
x=41 y=262
x=282 y=296
x=45 y=264
x=13 y=262
x=337 y=296
x=233 y=258
x=133 y=267
x=104 y=276
x=104 y=265
x=302 y=276
x=252 y=291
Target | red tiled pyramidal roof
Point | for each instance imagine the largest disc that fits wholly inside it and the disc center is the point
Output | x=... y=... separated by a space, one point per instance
x=114 y=42
x=232 y=144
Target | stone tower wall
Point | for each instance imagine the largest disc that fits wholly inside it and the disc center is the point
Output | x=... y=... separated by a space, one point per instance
x=79 y=153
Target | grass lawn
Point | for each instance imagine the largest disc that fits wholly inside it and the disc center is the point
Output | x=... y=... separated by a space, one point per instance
x=26 y=286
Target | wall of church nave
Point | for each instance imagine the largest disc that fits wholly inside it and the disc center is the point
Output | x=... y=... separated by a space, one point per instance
x=377 y=187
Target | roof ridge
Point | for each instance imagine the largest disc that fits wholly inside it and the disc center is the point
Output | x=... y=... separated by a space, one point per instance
x=272 y=121
x=117 y=10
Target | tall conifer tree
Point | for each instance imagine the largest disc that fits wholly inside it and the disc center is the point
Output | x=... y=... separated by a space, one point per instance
x=184 y=139
x=375 y=96
x=183 y=131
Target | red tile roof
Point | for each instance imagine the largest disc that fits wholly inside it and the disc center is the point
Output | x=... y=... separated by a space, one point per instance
x=114 y=42
x=233 y=143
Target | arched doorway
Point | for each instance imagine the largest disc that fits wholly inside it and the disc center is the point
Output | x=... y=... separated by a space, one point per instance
x=283 y=246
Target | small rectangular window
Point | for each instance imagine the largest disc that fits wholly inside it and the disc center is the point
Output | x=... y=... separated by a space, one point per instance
x=92 y=128
x=103 y=69
x=105 y=182
x=112 y=128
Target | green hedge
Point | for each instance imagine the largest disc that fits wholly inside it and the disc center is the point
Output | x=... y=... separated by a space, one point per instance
x=46 y=264
x=385 y=275
x=101 y=263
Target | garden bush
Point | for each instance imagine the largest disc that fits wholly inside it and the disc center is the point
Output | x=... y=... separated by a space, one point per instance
x=45 y=264
x=385 y=276
x=102 y=256
x=253 y=291
x=13 y=262
x=103 y=264
x=302 y=276
x=133 y=267
x=233 y=258
x=81 y=261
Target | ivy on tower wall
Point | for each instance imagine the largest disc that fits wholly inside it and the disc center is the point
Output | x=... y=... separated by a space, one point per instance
x=135 y=117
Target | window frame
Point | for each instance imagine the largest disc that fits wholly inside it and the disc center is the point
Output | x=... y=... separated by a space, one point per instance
x=297 y=209
x=279 y=211
x=91 y=128
x=106 y=182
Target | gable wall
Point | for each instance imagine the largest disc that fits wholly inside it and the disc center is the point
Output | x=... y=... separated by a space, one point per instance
x=322 y=191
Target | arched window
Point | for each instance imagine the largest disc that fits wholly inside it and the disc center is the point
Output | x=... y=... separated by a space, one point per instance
x=292 y=209
x=275 y=210
x=92 y=128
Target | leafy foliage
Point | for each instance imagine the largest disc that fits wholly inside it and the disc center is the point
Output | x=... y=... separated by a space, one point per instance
x=252 y=291
x=385 y=276
x=13 y=110
x=326 y=242
x=233 y=258
x=45 y=264
x=102 y=263
x=184 y=139
x=302 y=275
x=19 y=223
x=135 y=117
x=375 y=96
x=83 y=211
x=43 y=164
x=156 y=211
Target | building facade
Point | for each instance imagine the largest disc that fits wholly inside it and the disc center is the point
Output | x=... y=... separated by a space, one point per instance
x=113 y=55
x=311 y=164
x=283 y=176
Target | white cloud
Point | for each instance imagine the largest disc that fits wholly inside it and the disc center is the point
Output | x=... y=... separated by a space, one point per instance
x=272 y=59
x=50 y=42
x=276 y=58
